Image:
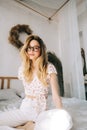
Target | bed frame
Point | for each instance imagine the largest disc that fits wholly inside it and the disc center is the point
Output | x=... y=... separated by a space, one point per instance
x=8 y=79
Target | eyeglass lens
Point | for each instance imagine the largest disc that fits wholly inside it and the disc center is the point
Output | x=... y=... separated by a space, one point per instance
x=35 y=48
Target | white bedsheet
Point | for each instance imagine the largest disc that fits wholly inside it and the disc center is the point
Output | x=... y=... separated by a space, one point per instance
x=76 y=107
x=8 y=128
x=6 y=105
x=78 y=110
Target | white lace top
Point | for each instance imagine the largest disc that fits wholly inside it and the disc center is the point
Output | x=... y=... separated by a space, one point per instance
x=36 y=88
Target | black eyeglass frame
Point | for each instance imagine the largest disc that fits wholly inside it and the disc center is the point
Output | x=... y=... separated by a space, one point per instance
x=35 y=48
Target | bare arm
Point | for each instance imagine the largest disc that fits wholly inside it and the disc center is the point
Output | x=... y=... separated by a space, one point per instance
x=55 y=91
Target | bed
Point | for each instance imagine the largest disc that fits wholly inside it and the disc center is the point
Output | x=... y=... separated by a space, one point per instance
x=12 y=93
x=10 y=98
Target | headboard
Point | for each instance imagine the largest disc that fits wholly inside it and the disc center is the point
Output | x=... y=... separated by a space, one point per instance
x=7 y=79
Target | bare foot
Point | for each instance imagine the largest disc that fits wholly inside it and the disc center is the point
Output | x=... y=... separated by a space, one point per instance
x=28 y=126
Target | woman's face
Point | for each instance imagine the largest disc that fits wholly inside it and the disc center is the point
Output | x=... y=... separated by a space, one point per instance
x=33 y=50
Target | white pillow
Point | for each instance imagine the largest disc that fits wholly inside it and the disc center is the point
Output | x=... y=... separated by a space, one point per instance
x=20 y=94
x=6 y=94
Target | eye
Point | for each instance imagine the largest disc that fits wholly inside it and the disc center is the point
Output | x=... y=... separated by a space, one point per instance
x=29 y=49
x=36 y=48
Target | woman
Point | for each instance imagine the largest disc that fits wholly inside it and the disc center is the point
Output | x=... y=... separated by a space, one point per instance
x=38 y=75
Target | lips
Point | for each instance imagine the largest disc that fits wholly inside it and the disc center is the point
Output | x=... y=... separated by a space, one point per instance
x=31 y=54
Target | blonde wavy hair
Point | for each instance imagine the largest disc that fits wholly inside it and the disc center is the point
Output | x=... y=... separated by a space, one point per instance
x=41 y=61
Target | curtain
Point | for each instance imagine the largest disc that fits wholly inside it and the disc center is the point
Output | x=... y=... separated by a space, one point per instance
x=69 y=50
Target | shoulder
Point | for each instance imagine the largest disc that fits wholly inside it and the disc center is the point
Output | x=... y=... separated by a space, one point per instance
x=51 y=68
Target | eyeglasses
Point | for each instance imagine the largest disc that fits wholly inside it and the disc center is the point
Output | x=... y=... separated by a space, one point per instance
x=35 y=48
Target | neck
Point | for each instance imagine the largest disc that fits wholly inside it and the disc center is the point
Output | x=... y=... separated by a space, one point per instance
x=34 y=65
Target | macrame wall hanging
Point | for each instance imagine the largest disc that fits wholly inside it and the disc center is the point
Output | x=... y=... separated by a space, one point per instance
x=15 y=32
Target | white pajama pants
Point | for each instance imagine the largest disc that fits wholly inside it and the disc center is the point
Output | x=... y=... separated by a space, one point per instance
x=54 y=119
x=16 y=117
x=46 y=120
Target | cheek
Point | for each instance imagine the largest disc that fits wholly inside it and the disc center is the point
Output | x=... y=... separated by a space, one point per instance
x=38 y=54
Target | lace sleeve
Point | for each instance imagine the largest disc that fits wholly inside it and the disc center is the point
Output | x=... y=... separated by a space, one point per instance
x=51 y=69
x=20 y=73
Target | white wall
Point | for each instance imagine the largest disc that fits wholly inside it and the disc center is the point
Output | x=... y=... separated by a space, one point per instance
x=11 y=14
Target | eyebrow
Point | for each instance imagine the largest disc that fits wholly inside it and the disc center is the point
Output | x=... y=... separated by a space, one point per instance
x=34 y=46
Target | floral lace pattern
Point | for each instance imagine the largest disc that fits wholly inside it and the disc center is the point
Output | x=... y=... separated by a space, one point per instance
x=36 y=88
